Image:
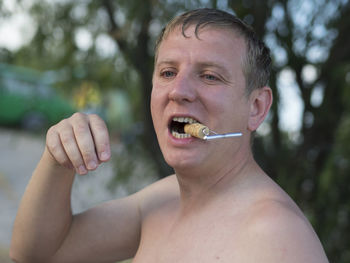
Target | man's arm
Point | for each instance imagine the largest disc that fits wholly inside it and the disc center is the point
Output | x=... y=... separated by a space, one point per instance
x=45 y=229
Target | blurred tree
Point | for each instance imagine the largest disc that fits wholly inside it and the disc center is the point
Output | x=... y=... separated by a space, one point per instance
x=110 y=43
x=304 y=165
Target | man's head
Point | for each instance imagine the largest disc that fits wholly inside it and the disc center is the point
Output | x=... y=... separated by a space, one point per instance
x=201 y=74
x=257 y=61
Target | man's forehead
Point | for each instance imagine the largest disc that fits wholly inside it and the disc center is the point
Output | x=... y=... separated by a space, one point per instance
x=223 y=35
x=221 y=40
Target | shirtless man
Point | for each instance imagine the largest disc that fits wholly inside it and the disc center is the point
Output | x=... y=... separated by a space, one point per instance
x=218 y=207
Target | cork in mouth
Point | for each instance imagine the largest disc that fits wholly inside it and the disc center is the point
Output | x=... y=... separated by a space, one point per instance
x=177 y=125
x=187 y=127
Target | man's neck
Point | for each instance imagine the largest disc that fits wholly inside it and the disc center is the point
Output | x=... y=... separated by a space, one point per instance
x=199 y=187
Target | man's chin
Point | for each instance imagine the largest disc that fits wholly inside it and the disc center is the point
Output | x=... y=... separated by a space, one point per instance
x=184 y=165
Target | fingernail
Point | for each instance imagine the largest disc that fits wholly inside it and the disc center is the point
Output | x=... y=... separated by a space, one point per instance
x=92 y=165
x=82 y=169
x=104 y=156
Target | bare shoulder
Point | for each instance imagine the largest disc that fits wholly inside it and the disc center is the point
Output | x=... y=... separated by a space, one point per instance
x=96 y=233
x=277 y=231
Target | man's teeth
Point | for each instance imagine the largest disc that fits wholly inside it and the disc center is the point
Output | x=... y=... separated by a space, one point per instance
x=185 y=119
x=180 y=135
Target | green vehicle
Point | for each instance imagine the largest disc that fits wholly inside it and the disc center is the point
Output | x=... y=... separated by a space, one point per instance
x=28 y=100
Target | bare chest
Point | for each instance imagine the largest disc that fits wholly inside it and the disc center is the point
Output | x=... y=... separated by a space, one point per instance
x=198 y=239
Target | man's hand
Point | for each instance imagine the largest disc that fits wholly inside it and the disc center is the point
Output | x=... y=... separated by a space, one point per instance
x=106 y=233
x=80 y=142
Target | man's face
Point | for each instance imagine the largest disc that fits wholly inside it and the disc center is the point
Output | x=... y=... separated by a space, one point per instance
x=201 y=79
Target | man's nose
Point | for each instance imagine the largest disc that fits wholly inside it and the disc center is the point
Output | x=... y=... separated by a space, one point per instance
x=183 y=89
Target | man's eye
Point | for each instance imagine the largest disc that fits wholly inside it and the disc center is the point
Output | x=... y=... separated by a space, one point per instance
x=210 y=77
x=167 y=74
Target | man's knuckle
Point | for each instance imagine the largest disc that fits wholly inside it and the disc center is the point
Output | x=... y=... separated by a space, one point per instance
x=100 y=128
x=97 y=120
x=66 y=139
x=94 y=116
x=52 y=131
x=80 y=128
x=51 y=137
x=53 y=146
x=78 y=115
x=63 y=122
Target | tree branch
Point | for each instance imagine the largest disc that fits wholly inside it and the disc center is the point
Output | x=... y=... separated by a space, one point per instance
x=114 y=30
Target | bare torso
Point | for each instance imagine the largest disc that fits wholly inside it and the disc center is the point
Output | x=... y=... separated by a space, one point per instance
x=219 y=231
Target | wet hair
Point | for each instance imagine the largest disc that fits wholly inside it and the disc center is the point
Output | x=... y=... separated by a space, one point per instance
x=256 y=62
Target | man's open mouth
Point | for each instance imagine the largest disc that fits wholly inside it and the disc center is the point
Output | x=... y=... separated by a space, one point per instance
x=177 y=125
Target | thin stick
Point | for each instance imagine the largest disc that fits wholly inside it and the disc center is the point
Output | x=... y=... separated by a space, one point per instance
x=220 y=136
x=202 y=132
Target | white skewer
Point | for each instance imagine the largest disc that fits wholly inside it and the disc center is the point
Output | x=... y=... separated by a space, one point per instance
x=220 y=136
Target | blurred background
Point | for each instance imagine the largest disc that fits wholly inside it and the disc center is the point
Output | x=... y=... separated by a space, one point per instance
x=62 y=56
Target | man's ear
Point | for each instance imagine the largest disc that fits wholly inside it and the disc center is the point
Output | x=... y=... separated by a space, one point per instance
x=260 y=103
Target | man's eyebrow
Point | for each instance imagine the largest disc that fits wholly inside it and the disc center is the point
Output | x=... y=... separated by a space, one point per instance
x=200 y=64
x=165 y=62
x=210 y=64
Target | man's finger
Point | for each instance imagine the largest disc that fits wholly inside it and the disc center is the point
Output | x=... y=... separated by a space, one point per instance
x=101 y=137
x=71 y=148
x=85 y=142
x=56 y=149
